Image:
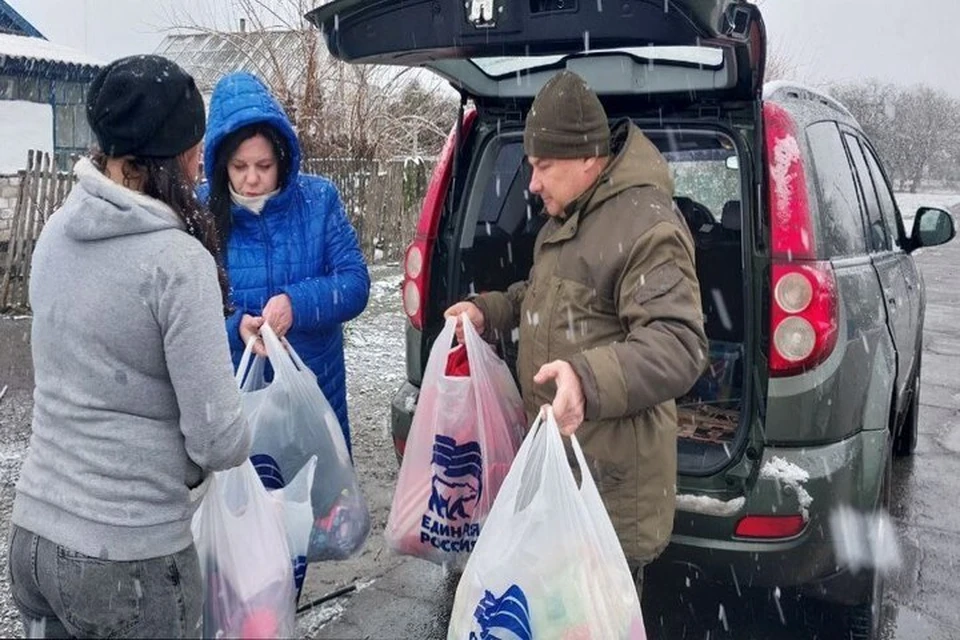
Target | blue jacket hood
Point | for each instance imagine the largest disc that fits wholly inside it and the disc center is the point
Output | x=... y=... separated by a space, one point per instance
x=240 y=99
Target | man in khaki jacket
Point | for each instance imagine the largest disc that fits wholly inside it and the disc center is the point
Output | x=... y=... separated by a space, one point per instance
x=610 y=324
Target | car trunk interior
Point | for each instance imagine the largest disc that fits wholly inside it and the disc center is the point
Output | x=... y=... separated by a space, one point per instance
x=491 y=247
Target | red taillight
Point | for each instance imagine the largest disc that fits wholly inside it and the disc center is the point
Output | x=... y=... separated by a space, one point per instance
x=803 y=311
x=792 y=236
x=416 y=271
x=770 y=527
x=803 y=316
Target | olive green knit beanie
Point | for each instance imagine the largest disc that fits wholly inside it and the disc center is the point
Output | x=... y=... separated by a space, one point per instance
x=566 y=121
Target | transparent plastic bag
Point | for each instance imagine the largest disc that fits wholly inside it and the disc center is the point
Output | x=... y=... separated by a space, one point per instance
x=465 y=433
x=245 y=559
x=548 y=563
x=292 y=421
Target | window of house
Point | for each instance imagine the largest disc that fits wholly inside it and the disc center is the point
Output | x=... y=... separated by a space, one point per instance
x=67 y=92
x=30 y=90
x=8 y=88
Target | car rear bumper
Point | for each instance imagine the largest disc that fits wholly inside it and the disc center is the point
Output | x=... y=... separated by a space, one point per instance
x=843 y=473
x=846 y=473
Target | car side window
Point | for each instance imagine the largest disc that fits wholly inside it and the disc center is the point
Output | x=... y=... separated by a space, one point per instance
x=841 y=225
x=888 y=205
x=876 y=230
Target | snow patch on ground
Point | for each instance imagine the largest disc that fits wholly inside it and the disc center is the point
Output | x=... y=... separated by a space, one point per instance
x=388 y=286
x=11 y=459
x=789 y=474
x=709 y=506
x=312 y=620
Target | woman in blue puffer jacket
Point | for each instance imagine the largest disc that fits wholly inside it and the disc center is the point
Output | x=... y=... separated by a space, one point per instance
x=291 y=254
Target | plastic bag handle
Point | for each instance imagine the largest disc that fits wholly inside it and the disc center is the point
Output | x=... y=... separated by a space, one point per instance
x=297 y=360
x=587 y=483
x=437 y=362
x=478 y=350
x=245 y=476
x=471 y=339
x=245 y=362
x=280 y=358
x=537 y=439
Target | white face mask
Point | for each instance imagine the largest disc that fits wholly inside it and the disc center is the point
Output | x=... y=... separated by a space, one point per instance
x=253 y=203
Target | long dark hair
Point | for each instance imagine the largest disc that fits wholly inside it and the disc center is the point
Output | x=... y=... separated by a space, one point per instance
x=219 y=177
x=165 y=180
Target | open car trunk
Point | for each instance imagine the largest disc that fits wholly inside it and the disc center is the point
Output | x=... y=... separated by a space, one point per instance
x=499 y=49
x=688 y=72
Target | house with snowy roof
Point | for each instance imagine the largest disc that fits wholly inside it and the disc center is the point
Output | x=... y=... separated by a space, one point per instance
x=42 y=94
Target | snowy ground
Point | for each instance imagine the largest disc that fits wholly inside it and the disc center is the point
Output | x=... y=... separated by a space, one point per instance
x=375 y=369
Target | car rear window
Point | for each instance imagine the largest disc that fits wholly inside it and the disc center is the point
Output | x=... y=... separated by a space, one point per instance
x=707 y=177
x=507 y=168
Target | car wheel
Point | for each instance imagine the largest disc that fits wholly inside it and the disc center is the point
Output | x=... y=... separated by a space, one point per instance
x=906 y=441
x=863 y=620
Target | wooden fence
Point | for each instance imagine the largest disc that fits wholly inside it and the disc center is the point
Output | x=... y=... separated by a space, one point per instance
x=41 y=190
x=382 y=199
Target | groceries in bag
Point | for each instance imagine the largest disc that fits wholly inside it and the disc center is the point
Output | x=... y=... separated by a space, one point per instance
x=291 y=422
x=466 y=430
x=241 y=541
x=548 y=563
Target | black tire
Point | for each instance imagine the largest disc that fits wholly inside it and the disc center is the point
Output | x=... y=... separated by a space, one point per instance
x=862 y=621
x=906 y=441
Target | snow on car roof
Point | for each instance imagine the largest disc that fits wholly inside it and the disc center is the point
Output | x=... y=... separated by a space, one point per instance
x=15 y=46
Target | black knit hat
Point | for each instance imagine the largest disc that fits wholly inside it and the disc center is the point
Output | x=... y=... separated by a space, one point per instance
x=566 y=121
x=145 y=106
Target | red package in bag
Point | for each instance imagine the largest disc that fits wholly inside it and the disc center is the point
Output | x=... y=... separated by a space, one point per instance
x=457 y=364
x=466 y=430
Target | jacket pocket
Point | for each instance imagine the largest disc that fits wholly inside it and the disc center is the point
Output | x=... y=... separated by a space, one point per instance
x=659 y=281
x=101 y=598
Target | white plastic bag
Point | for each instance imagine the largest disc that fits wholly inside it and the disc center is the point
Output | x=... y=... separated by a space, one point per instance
x=548 y=563
x=291 y=421
x=465 y=433
x=242 y=544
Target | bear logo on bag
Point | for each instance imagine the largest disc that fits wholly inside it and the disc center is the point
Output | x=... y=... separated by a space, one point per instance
x=456 y=484
x=268 y=470
x=503 y=618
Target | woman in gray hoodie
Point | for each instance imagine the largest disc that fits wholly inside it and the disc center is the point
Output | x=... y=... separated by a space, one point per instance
x=135 y=401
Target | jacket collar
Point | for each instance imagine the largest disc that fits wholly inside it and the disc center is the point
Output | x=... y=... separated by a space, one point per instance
x=278 y=204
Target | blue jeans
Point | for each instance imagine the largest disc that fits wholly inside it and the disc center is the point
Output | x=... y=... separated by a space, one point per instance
x=64 y=594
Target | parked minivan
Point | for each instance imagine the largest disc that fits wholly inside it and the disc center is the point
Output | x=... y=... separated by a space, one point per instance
x=812 y=302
